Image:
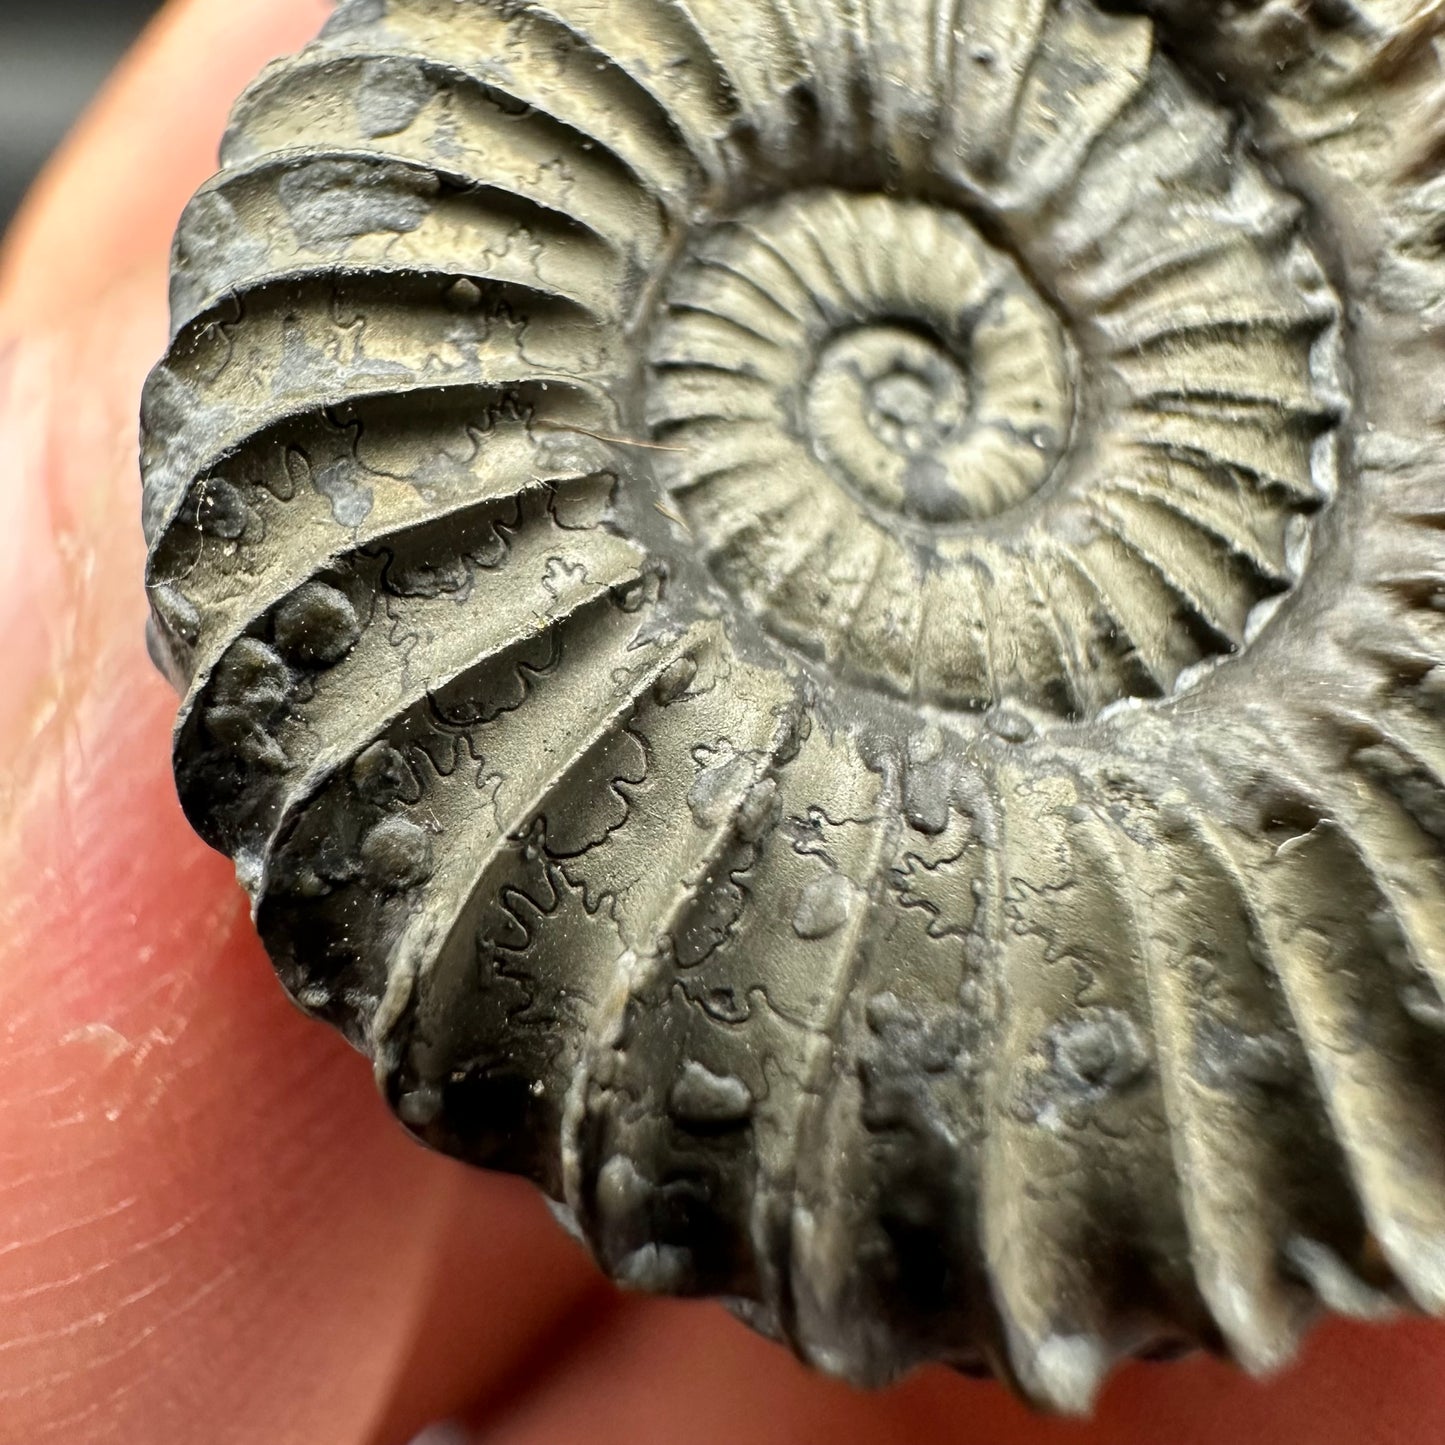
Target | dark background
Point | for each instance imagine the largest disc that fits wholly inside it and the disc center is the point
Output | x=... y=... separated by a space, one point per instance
x=54 y=54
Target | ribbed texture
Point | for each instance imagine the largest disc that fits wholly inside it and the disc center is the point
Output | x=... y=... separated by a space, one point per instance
x=794 y=620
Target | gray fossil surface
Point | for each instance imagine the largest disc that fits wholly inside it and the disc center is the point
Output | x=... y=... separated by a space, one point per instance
x=819 y=624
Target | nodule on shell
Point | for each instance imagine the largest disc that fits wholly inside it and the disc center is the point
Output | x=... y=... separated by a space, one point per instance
x=819 y=624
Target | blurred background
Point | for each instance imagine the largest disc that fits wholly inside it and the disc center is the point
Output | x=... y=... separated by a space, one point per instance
x=54 y=54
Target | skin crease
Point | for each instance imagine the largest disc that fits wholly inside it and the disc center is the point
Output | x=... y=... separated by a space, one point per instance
x=209 y=1229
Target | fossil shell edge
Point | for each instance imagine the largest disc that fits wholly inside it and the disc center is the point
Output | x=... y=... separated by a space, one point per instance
x=819 y=624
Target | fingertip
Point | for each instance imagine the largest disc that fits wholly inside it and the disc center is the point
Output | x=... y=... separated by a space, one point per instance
x=665 y=1371
x=192 y=1175
x=209 y=1226
x=511 y=1295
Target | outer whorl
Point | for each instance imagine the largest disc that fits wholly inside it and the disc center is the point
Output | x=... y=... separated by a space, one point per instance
x=819 y=624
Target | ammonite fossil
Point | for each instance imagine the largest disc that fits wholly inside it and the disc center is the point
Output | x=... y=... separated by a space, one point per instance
x=820 y=624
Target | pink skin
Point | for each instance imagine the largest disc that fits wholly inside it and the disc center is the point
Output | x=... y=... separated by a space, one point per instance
x=209 y=1229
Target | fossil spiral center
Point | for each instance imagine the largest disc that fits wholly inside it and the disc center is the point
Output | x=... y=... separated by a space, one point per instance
x=937 y=432
x=948 y=461
x=921 y=371
x=915 y=395
x=912 y=398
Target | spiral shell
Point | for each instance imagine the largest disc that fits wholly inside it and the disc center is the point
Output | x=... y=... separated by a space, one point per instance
x=820 y=623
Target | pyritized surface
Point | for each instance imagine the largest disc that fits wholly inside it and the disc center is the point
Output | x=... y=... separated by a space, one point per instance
x=819 y=624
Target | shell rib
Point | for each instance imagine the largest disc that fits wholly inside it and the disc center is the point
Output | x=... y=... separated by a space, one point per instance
x=821 y=625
